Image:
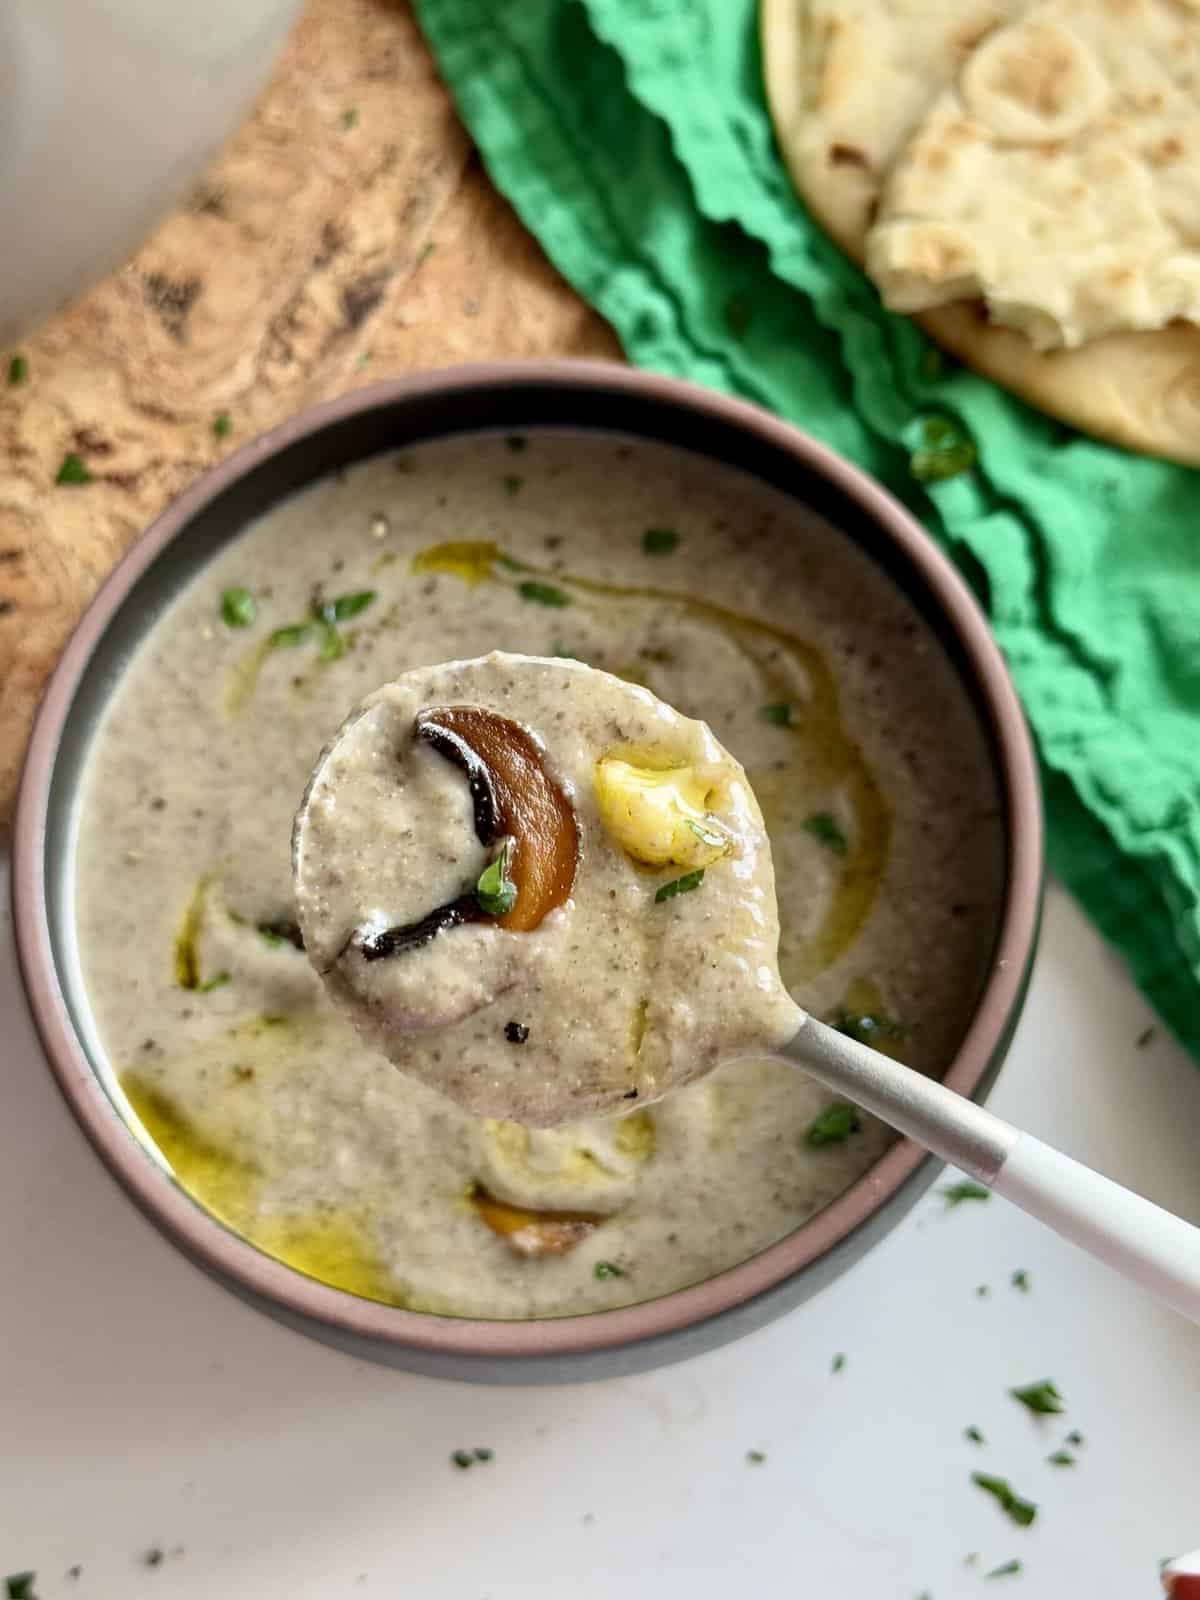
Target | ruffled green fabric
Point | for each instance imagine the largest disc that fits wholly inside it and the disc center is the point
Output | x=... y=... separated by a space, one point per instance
x=632 y=136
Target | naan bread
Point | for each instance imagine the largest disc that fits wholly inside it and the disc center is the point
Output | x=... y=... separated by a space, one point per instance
x=827 y=62
x=1057 y=179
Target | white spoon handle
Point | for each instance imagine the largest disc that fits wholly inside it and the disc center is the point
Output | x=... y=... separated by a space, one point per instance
x=1152 y=1246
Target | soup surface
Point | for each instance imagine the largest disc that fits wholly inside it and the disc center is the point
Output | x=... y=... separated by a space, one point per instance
x=726 y=600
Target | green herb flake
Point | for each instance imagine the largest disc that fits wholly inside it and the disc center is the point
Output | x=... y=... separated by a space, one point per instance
x=684 y=885
x=974 y=1435
x=608 y=1269
x=222 y=425
x=217 y=981
x=865 y=1027
x=350 y=118
x=288 y=638
x=755 y=1458
x=516 y=442
x=780 y=715
x=364 y=359
x=1010 y=1569
x=1075 y=1438
x=333 y=647
x=824 y=827
x=495 y=890
x=1022 y=1512
x=512 y=483
x=1043 y=1399
x=982 y=1291
x=945 y=451
x=425 y=253
x=481 y=1452
x=1061 y=1458
x=270 y=937
x=74 y=470
x=18 y=371
x=834 y=1125
x=238 y=609
x=462 y=1459
x=348 y=605
x=543 y=594
x=19 y=1585
x=955 y=1193
x=1020 y=1280
x=659 y=541
x=838 y=1364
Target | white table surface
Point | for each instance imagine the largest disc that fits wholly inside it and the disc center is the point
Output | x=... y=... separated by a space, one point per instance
x=142 y=1406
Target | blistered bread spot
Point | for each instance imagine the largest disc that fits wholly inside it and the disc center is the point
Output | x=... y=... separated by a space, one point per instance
x=1034 y=81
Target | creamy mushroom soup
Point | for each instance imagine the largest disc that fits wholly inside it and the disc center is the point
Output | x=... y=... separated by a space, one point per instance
x=713 y=591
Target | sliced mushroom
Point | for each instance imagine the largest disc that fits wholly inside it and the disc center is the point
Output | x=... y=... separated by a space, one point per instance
x=513 y=796
x=534 y=1233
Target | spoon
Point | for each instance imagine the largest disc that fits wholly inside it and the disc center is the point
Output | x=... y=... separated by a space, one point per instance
x=1139 y=1239
x=474 y=784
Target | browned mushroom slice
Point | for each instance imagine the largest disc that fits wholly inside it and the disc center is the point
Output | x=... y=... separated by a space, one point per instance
x=513 y=796
x=534 y=1233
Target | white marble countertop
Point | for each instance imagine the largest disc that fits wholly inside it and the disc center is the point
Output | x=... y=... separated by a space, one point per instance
x=143 y=1408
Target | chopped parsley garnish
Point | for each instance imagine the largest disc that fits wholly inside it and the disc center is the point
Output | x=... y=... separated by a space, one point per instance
x=974 y=1435
x=839 y=1363
x=516 y=1032
x=495 y=890
x=834 y=1125
x=543 y=594
x=346 y=606
x=332 y=647
x=269 y=936
x=350 y=118
x=1008 y=1570
x=222 y=425
x=281 y=932
x=483 y=1453
x=1061 y=1458
x=756 y=1457
x=18 y=371
x=866 y=1026
x=780 y=715
x=944 y=452
x=19 y=1585
x=956 y=1193
x=823 y=826
x=1043 y=1399
x=1020 y=1280
x=73 y=470
x=288 y=638
x=426 y=251
x=1022 y=1512
x=1075 y=1438
x=238 y=609
x=684 y=885
x=462 y=1459
x=512 y=483
x=608 y=1269
x=982 y=1291
x=217 y=981
x=659 y=541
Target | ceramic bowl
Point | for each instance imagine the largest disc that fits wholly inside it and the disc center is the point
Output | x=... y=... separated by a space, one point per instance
x=513 y=397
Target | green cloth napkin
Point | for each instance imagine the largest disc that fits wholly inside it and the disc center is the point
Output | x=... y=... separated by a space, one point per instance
x=633 y=138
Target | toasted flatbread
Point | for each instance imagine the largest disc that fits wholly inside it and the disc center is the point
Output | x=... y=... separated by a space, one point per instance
x=848 y=83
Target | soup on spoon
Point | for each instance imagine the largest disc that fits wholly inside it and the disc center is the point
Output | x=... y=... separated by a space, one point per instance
x=540 y=889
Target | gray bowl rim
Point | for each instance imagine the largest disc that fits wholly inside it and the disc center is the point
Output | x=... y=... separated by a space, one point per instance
x=208 y=1241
